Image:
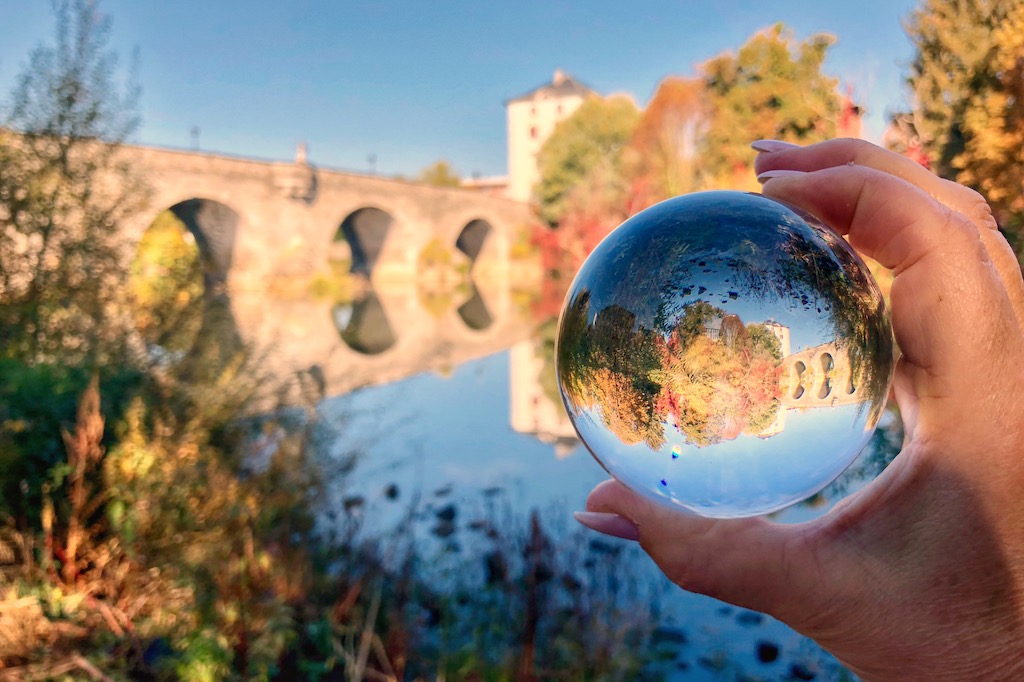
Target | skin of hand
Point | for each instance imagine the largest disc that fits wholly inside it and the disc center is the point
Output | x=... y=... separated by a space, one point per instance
x=920 y=575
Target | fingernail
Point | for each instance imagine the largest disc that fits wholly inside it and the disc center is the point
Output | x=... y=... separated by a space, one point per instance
x=609 y=524
x=780 y=173
x=770 y=146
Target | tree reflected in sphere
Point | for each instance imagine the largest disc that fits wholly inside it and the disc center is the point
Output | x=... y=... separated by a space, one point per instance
x=724 y=353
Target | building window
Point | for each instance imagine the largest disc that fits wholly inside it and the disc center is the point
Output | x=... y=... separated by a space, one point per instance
x=533 y=132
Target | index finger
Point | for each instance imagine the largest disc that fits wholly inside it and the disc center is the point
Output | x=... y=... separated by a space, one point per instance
x=845 y=151
x=964 y=200
x=949 y=304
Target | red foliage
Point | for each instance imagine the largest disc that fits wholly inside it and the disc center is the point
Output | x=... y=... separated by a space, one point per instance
x=563 y=249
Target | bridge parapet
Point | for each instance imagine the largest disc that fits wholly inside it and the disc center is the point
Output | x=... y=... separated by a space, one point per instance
x=290 y=213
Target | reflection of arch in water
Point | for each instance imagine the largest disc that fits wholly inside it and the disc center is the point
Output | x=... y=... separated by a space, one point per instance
x=219 y=341
x=364 y=326
x=365 y=230
x=215 y=226
x=473 y=237
x=474 y=312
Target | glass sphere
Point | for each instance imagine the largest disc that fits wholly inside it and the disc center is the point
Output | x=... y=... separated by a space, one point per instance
x=724 y=353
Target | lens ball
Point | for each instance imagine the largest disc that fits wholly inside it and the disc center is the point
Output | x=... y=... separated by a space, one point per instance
x=724 y=353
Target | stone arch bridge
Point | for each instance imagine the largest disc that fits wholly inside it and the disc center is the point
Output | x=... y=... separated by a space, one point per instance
x=820 y=377
x=260 y=221
x=255 y=220
x=816 y=377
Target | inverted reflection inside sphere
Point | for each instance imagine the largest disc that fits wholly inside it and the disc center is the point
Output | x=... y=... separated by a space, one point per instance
x=724 y=353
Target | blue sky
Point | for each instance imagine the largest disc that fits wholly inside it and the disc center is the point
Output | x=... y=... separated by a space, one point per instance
x=413 y=82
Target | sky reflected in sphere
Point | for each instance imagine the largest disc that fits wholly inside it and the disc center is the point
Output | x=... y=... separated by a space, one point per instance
x=724 y=353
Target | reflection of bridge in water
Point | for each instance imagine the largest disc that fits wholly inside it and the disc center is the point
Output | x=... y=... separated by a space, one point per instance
x=382 y=337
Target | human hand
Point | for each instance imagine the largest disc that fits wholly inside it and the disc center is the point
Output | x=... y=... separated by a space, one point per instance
x=920 y=575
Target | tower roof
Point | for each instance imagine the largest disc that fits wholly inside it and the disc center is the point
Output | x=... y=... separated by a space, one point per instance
x=561 y=85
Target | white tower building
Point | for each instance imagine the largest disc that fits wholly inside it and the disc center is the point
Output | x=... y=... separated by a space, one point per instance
x=531 y=410
x=531 y=120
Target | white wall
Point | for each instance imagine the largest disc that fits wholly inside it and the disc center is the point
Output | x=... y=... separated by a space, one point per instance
x=530 y=123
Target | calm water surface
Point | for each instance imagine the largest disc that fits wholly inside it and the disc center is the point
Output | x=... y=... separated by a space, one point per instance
x=483 y=438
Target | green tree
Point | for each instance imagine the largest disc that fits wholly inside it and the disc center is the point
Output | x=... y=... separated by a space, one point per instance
x=771 y=88
x=968 y=111
x=584 y=154
x=439 y=174
x=64 y=192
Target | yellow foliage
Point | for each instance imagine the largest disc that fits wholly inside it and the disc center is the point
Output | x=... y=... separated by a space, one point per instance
x=993 y=123
x=166 y=284
x=435 y=254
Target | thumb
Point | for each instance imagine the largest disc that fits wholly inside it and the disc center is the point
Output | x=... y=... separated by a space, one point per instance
x=750 y=562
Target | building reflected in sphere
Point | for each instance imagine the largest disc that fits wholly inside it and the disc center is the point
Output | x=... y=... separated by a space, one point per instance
x=724 y=353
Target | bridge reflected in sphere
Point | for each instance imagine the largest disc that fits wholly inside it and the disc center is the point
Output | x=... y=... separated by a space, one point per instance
x=724 y=353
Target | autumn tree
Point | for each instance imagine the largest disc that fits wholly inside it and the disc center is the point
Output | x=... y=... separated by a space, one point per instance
x=663 y=152
x=581 y=163
x=439 y=174
x=772 y=87
x=64 y=191
x=166 y=285
x=967 y=107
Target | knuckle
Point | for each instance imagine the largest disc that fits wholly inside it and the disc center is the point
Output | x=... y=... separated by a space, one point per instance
x=860 y=151
x=858 y=144
x=966 y=239
x=980 y=212
x=974 y=206
x=961 y=228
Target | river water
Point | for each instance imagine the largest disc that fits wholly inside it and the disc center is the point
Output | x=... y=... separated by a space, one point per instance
x=468 y=434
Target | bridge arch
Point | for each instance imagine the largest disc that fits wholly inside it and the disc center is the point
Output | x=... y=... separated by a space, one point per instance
x=483 y=237
x=179 y=283
x=821 y=376
x=472 y=238
x=827 y=365
x=214 y=226
x=365 y=230
x=798 y=369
